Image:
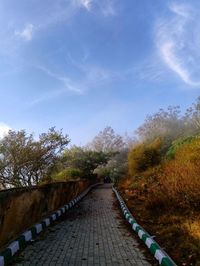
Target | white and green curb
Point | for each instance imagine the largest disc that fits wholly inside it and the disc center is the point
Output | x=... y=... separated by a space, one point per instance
x=21 y=242
x=155 y=249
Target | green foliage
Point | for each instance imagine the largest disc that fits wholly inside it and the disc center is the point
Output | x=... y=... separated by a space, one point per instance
x=25 y=161
x=102 y=172
x=83 y=159
x=177 y=145
x=67 y=174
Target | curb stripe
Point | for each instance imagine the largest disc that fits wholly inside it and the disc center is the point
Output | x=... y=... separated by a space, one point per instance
x=22 y=242
x=7 y=254
x=38 y=228
x=1 y=261
x=53 y=216
x=166 y=262
x=27 y=235
x=19 y=244
x=59 y=213
x=159 y=254
x=149 y=241
x=14 y=247
x=47 y=221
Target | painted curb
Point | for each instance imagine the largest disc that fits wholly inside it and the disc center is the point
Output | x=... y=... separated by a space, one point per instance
x=160 y=255
x=21 y=242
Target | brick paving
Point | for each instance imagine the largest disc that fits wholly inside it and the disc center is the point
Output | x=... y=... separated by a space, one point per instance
x=92 y=233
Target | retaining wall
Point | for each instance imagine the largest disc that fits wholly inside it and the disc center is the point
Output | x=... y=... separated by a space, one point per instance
x=22 y=207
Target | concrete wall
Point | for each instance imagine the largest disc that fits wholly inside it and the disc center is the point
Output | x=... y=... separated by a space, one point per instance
x=22 y=207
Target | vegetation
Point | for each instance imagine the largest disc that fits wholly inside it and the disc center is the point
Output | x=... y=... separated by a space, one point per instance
x=163 y=185
x=158 y=172
x=25 y=161
x=81 y=162
x=109 y=142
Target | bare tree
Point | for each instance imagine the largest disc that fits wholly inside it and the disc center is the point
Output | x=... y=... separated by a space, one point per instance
x=107 y=141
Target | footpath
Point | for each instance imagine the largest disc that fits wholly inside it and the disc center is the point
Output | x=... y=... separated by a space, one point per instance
x=91 y=233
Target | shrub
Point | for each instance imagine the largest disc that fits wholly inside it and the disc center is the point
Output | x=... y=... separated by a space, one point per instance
x=179 y=180
x=144 y=156
x=67 y=174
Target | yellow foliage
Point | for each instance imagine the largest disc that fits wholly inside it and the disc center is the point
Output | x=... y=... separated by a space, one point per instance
x=144 y=156
x=179 y=180
x=193 y=228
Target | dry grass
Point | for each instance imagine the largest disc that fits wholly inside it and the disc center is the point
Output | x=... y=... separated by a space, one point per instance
x=177 y=231
x=165 y=198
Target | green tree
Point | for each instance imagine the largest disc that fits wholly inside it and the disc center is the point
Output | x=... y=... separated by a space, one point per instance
x=25 y=161
x=83 y=159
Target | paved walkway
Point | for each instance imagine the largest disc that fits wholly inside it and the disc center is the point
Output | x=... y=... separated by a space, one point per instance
x=92 y=233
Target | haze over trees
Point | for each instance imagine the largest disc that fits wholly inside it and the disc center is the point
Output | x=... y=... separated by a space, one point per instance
x=163 y=181
x=25 y=161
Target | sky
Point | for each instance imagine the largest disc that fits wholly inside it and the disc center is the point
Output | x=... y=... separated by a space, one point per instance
x=82 y=65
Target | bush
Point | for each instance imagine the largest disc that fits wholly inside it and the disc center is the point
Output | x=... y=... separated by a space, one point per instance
x=179 y=180
x=143 y=156
x=67 y=174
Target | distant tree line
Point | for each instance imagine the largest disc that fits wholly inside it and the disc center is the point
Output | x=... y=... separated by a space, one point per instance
x=25 y=161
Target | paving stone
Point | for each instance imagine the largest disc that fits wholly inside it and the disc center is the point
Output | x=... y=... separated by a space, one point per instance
x=91 y=234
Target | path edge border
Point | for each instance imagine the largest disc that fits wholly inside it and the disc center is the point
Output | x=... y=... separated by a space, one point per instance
x=160 y=255
x=22 y=240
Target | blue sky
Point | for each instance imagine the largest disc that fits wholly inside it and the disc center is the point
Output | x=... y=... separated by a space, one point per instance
x=82 y=65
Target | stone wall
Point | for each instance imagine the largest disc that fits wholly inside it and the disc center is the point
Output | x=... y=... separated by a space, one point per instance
x=20 y=208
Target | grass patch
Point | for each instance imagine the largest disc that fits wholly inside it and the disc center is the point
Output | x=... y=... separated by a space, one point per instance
x=176 y=230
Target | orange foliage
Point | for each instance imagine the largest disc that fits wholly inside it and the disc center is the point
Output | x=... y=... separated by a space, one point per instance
x=179 y=180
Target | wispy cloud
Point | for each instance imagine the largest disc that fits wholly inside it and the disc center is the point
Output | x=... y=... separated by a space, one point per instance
x=92 y=73
x=66 y=81
x=178 y=43
x=84 y=3
x=67 y=85
x=26 y=33
x=4 y=128
x=108 y=8
x=180 y=9
x=58 y=12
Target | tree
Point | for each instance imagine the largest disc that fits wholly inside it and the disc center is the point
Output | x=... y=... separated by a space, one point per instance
x=166 y=125
x=192 y=117
x=107 y=141
x=83 y=159
x=117 y=146
x=25 y=161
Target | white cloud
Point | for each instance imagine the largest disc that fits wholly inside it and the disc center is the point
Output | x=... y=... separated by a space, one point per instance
x=180 y=9
x=3 y=129
x=87 y=4
x=178 y=44
x=105 y=7
x=26 y=33
x=175 y=63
